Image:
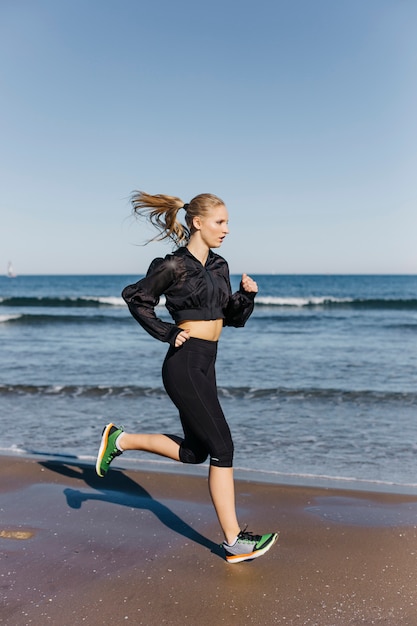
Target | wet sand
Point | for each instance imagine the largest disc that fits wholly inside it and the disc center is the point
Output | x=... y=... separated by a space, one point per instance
x=143 y=548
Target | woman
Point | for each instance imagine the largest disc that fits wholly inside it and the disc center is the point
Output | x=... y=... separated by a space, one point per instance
x=196 y=285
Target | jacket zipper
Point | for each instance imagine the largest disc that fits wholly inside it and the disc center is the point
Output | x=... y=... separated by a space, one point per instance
x=210 y=290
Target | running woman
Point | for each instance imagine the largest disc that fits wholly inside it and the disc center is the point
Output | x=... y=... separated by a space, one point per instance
x=196 y=284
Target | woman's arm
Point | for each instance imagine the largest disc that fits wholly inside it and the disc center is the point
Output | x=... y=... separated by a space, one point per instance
x=241 y=303
x=142 y=298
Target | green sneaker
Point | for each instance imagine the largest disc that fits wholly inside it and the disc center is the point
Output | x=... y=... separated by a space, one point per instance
x=108 y=450
x=249 y=546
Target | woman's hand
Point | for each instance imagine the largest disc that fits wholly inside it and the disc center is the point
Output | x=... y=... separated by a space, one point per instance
x=181 y=338
x=249 y=284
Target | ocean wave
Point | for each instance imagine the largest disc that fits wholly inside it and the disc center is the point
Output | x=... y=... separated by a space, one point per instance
x=320 y=302
x=86 y=391
x=44 y=318
x=62 y=302
x=333 y=302
x=247 y=393
x=9 y=318
x=279 y=301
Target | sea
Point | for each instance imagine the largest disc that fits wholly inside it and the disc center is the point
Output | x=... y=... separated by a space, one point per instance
x=320 y=386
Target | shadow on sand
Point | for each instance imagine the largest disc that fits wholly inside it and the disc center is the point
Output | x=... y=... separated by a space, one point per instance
x=122 y=490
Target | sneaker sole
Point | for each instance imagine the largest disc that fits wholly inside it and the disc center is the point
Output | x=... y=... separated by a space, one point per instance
x=103 y=446
x=238 y=558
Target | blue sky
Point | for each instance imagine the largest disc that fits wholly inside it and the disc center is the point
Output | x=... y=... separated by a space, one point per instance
x=300 y=114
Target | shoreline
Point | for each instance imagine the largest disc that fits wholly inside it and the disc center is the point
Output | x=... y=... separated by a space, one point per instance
x=161 y=466
x=143 y=547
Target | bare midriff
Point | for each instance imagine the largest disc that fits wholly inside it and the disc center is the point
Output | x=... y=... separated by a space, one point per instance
x=210 y=330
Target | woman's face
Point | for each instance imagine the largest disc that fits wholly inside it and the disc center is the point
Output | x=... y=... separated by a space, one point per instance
x=213 y=226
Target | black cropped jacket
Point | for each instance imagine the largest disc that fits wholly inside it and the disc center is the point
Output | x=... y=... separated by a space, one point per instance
x=192 y=292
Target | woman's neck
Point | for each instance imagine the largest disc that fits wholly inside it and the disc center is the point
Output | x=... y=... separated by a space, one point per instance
x=198 y=249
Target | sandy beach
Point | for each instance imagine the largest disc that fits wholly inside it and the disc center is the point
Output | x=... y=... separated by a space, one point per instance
x=143 y=548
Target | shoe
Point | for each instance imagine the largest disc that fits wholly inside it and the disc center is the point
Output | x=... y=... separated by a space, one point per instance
x=248 y=546
x=108 y=450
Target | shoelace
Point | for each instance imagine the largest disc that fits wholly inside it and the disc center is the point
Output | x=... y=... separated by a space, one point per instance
x=248 y=537
x=112 y=453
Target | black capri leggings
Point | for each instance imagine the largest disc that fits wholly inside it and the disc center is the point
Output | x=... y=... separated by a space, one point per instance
x=189 y=378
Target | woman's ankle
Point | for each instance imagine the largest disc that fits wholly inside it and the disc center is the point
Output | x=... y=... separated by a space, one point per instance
x=119 y=444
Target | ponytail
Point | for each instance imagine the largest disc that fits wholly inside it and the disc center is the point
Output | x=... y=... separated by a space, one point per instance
x=162 y=210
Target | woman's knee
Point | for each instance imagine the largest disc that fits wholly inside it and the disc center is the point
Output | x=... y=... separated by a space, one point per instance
x=195 y=457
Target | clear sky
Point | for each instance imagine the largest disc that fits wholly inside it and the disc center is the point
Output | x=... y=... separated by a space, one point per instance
x=300 y=114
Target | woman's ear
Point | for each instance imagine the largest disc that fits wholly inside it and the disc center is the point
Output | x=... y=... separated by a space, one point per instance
x=197 y=222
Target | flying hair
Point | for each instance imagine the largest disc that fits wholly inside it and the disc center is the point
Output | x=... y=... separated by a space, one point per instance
x=162 y=211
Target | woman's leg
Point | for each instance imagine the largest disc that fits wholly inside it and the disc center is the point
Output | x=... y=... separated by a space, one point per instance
x=222 y=492
x=189 y=379
x=158 y=444
x=221 y=483
x=114 y=441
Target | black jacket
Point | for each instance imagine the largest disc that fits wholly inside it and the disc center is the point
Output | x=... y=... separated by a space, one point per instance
x=192 y=292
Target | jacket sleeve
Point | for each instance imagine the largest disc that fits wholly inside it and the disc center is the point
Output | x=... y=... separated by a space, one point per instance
x=239 y=307
x=143 y=296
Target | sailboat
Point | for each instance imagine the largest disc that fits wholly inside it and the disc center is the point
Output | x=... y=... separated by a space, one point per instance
x=10 y=271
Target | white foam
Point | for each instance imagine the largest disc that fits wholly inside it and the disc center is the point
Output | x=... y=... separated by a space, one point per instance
x=110 y=300
x=8 y=318
x=54 y=389
x=299 y=302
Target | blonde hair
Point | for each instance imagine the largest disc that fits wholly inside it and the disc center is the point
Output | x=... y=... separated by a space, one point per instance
x=162 y=211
